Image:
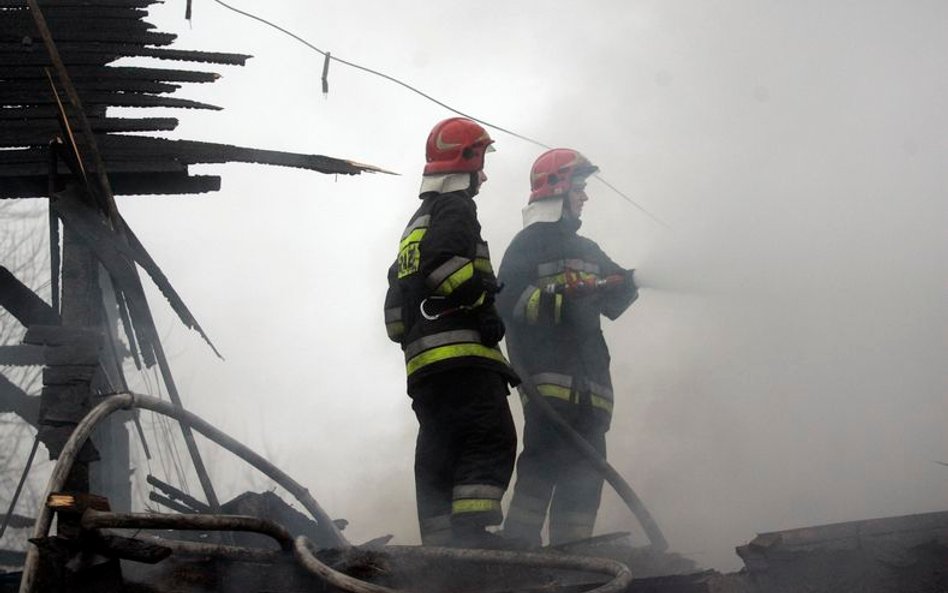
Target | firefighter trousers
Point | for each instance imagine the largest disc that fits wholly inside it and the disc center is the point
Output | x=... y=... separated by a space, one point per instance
x=465 y=453
x=552 y=474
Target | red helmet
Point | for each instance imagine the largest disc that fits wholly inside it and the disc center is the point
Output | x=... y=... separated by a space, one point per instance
x=456 y=145
x=552 y=174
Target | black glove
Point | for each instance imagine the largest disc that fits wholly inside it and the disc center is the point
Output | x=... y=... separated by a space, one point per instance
x=490 y=326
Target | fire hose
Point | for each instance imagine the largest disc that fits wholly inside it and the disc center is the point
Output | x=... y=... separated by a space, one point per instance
x=302 y=546
x=621 y=486
x=129 y=400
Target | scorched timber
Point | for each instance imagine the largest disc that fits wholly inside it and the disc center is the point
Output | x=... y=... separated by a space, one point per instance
x=81 y=73
x=16 y=54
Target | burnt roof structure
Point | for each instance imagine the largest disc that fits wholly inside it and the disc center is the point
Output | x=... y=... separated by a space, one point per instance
x=59 y=140
x=90 y=35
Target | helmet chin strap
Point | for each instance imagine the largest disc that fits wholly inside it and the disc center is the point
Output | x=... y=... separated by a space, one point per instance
x=475 y=185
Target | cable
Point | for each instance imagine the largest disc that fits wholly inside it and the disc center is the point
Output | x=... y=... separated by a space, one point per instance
x=329 y=57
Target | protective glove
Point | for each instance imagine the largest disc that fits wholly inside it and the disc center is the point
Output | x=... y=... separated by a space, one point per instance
x=490 y=326
x=577 y=286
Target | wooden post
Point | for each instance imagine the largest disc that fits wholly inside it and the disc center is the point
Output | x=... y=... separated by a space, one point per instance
x=80 y=308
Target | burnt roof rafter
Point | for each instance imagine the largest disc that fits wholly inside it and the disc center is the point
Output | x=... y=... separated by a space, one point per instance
x=90 y=35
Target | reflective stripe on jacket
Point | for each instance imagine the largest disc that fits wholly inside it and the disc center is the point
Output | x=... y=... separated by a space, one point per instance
x=556 y=338
x=444 y=265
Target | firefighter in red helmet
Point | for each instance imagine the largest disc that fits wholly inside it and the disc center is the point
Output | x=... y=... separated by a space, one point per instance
x=440 y=308
x=558 y=284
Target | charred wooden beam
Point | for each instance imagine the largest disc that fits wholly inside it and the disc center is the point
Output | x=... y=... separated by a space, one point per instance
x=189 y=501
x=24 y=304
x=123 y=184
x=27 y=113
x=110 y=35
x=16 y=24
x=191 y=152
x=13 y=399
x=39 y=132
x=54 y=4
x=27 y=162
x=87 y=10
x=19 y=522
x=80 y=73
x=15 y=53
x=170 y=503
x=12 y=557
x=18 y=355
x=13 y=91
x=110 y=99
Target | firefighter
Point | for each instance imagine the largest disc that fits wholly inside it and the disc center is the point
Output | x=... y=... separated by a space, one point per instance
x=440 y=308
x=558 y=284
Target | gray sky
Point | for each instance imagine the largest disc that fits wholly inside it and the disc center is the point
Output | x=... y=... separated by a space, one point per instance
x=784 y=365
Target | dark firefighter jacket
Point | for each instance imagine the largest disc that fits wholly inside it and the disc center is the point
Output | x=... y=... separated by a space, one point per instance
x=444 y=264
x=553 y=338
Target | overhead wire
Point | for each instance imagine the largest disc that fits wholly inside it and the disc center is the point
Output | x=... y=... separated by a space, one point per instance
x=330 y=57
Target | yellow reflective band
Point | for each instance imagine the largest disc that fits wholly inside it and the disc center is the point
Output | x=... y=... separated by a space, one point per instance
x=555 y=391
x=395 y=330
x=557 y=308
x=465 y=273
x=453 y=351
x=413 y=237
x=474 y=505
x=601 y=403
x=483 y=265
x=533 y=307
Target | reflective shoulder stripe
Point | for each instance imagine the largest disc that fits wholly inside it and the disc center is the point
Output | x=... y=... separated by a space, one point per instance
x=453 y=351
x=483 y=266
x=482 y=259
x=413 y=237
x=449 y=275
x=393 y=314
x=418 y=223
x=441 y=339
